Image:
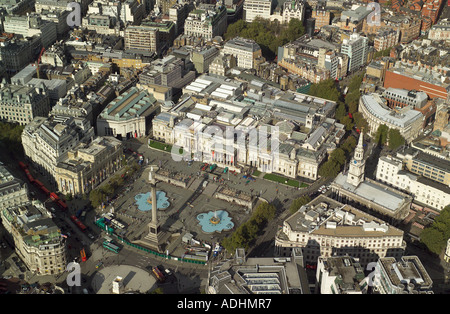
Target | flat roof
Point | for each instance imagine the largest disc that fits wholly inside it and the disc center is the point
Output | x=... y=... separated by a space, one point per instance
x=372 y=192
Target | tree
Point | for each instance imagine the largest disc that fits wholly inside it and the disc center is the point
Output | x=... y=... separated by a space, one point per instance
x=381 y=135
x=359 y=120
x=246 y=233
x=299 y=202
x=97 y=197
x=269 y=35
x=433 y=239
x=338 y=155
x=347 y=121
x=325 y=89
x=395 y=139
x=349 y=145
x=435 y=236
x=352 y=101
x=295 y=29
x=329 y=169
x=341 y=111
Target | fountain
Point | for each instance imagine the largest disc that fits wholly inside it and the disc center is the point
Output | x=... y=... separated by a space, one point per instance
x=144 y=201
x=216 y=221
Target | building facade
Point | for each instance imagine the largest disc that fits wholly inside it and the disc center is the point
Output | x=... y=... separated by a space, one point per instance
x=408 y=121
x=246 y=51
x=206 y=21
x=13 y=191
x=87 y=165
x=22 y=103
x=141 y=37
x=46 y=141
x=425 y=191
x=356 y=48
x=324 y=228
x=257 y=8
x=404 y=275
x=129 y=115
x=37 y=239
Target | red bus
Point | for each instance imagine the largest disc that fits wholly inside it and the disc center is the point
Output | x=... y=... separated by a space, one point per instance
x=159 y=275
x=79 y=224
x=38 y=183
x=45 y=190
x=62 y=204
x=54 y=197
x=83 y=255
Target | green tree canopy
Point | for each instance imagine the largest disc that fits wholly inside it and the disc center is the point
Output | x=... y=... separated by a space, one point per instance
x=325 y=89
x=299 y=202
x=246 y=233
x=269 y=35
x=381 y=135
x=436 y=235
x=359 y=120
x=395 y=139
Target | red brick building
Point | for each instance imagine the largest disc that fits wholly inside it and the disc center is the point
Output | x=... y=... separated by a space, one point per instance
x=433 y=90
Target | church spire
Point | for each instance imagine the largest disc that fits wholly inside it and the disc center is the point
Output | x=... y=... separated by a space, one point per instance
x=359 y=150
x=357 y=165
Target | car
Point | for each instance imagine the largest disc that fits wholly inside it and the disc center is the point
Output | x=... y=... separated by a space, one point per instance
x=91 y=236
x=53 y=209
x=167 y=271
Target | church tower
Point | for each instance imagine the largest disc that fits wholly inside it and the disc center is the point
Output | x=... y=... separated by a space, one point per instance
x=357 y=165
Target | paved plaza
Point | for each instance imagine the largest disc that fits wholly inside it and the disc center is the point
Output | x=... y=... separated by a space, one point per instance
x=186 y=203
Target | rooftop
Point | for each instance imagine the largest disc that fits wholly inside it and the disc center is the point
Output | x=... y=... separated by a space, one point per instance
x=375 y=105
x=326 y=216
x=133 y=103
x=373 y=192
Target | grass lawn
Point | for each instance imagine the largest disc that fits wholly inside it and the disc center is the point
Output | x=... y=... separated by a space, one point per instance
x=290 y=182
x=256 y=173
x=163 y=147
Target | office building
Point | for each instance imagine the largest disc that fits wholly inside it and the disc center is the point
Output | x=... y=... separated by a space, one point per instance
x=37 y=239
x=22 y=103
x=46 y=141
x=31 y=25
x=257 y=8
x=87 y=165
x=13 y=191
x=427 y=165
x=129 y=115
x=206 y=21
x=246 y=51
x=404 y=275
x=141 y=37
x=356 y=48
x=426 y=191
x=321 y=15
x=407 y=121
x=267 y=275
x=339 y=275
x=324 y=228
